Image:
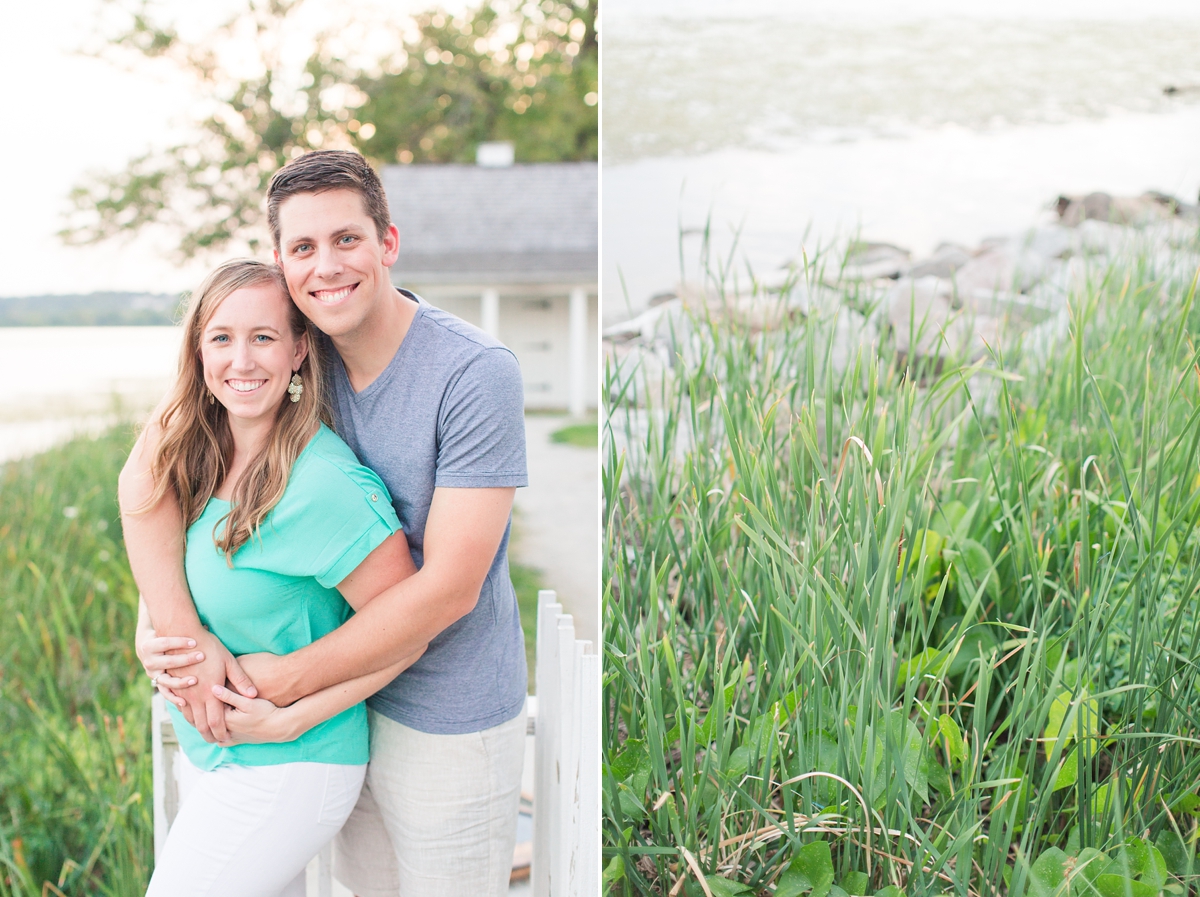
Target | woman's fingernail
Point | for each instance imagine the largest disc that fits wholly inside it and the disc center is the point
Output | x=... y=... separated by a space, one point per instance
x=199 y=656
x=217 y=689
x=191 y=643
x=191 y=682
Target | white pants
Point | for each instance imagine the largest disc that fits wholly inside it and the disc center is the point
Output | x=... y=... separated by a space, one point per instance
x=437 y=815
x=249 y=831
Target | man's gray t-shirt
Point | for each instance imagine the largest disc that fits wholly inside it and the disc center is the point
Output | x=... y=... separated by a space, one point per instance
x=448 y=411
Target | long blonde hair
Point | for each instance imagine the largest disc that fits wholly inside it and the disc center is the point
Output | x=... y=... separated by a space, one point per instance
x=195 y=449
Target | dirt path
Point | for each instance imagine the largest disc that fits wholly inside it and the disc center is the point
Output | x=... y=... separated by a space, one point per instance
x=558 y=519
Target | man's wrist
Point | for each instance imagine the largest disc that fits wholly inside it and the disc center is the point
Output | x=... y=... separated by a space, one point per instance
x=290 y=678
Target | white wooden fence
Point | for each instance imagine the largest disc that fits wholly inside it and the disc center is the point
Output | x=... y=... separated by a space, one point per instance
x=564 y=718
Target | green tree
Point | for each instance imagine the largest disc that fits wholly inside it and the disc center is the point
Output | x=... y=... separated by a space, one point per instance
x=485 y=77
x=526 y=73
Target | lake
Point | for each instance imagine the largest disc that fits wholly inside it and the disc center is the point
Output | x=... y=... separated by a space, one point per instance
x=61 y=381
x=784 y=129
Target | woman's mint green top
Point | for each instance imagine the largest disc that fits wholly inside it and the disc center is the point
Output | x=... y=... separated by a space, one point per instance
x=280 y=594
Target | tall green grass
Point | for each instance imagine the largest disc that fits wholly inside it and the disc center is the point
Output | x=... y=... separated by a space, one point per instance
x=75 y=780
x=76 y=791
x=908 y=626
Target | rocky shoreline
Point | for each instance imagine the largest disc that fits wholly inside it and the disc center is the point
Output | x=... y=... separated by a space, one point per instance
x=959 y=301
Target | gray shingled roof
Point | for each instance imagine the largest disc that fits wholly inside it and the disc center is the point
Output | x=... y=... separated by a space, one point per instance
x=530 y=223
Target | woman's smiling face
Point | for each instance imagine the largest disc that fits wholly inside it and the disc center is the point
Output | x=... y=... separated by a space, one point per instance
x=249 y=353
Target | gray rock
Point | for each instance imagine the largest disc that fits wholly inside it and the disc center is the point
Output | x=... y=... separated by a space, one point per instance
x=923 y=320
x=868 y=261
x=944 y=262
x=999 y=269
x=1051 y=242
x=1074 y=210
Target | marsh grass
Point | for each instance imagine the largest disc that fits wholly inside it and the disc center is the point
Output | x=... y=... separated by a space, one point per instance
x=893 y=624
x=75 y=782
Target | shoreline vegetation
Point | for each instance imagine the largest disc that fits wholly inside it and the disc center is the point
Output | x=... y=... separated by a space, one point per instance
x=76 y=790
x=900 y=574
x=109 y=309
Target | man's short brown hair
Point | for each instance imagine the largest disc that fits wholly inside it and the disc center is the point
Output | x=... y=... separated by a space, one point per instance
x=323 y=170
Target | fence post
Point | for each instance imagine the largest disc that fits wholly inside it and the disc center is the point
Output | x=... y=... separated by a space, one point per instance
x=587 y=880
x=164 y=747
x=545 y=753
x=566 y=765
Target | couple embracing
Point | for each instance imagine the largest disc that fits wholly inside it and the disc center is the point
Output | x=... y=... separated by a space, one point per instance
x=317 y=514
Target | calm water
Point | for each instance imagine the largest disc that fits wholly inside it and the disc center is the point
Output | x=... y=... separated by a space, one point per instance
x=912 y=130
x=60 y=381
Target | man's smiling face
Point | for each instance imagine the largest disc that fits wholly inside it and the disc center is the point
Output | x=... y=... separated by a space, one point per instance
x=334 y=261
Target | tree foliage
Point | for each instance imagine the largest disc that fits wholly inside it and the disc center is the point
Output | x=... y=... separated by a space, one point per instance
x=522 y=72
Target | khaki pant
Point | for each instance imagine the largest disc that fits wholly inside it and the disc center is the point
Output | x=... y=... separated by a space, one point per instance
x=437 y=815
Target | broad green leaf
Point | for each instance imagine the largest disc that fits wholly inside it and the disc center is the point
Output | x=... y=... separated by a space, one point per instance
x=739 y=762
x=633 y=757
x=1102 y=800
x=950 y=519
x=1062 y=721
x=930 y=661
x=1133 y=858
x=956 y=748
x=1048 y=874
x=1178 y=854
x=1068 y=772
x=614 y=871
x=975 y=562
x=1090 y=863
x=632 y=768
x=927 y=546
x=723 y=887
x=1187 y=803
x=819 y=751
x=855 y=883
x=810 y=871
x=1156 y=870
x=934 y=774
x=889 y=891
x=1110 y=885
x=978 y=642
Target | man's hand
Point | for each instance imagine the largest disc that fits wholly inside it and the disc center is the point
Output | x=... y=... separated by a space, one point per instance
x=204 y=709
x=267 y=671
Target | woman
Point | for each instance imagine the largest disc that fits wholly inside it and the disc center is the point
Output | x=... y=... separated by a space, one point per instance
x=286 y=533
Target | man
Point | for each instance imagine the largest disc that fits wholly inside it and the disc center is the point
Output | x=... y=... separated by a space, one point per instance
x=435 y=407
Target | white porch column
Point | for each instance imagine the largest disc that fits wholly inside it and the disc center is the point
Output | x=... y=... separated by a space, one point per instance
x=577 y=353
x=489 y=318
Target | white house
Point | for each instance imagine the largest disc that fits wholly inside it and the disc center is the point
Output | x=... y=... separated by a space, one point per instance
x=513 y=249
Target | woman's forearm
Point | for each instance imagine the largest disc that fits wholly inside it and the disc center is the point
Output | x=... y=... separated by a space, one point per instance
x=321 y=705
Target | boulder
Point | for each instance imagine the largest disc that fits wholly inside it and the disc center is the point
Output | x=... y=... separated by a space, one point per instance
x=1074 y=210
x=944 y=262
x=869 y=261
x=926 y=324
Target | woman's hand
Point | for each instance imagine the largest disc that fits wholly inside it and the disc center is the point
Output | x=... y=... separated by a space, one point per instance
x=253 y=720
x=159 y=655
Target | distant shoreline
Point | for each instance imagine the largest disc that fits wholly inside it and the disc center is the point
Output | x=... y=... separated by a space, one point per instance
x=108 y=309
